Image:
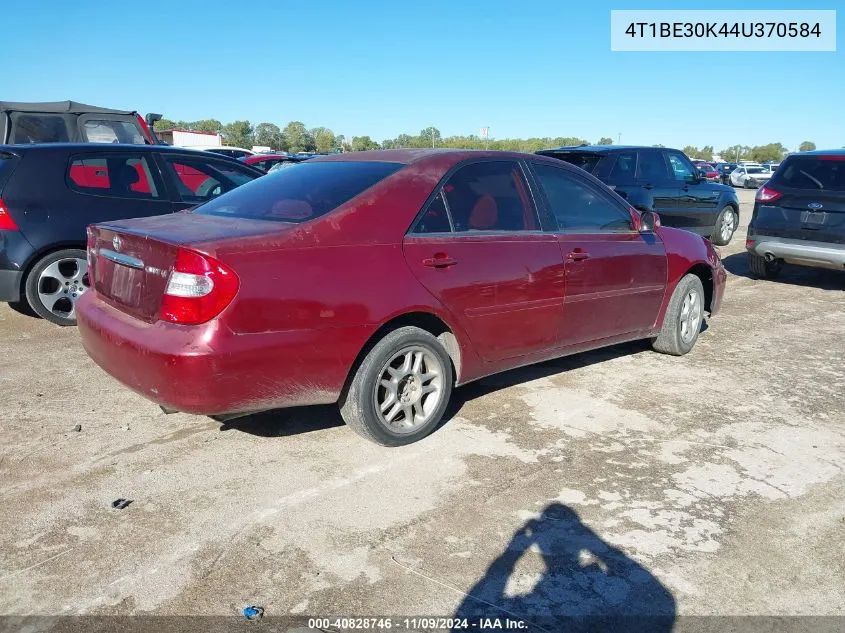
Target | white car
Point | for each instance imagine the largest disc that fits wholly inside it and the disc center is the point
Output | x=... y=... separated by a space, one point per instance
x=750 y=176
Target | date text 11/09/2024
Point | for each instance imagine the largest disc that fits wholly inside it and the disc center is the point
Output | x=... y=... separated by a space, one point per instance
x=716 y=30
x=414 y=624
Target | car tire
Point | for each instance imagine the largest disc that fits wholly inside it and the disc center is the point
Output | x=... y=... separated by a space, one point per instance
x=419 y=372
x=726 y=225
x=763 y=269
x=55 y=283
x=682 y=322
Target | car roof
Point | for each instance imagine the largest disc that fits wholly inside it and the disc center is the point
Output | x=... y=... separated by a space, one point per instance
x=107 y=147
x=821 y=152
x=604 y=149
x=57 y=107
x=410 y=156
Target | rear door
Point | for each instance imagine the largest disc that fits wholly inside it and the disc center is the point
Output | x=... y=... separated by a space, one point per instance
x=107 y=185
x=479 y=248
x=615 y=276
x=653 y=177
x=812 y=201
x=698 y=199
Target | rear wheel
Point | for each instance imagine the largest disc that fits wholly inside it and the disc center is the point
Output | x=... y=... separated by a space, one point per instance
x=56 y=283
x=682 y=322
x=726 y=225
x=400 y=391
x=763 y=269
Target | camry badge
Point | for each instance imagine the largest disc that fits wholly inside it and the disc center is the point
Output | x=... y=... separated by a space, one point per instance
x=815 y=205
x=116 y=242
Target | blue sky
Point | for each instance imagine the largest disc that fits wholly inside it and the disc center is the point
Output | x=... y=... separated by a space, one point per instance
x=384 y=67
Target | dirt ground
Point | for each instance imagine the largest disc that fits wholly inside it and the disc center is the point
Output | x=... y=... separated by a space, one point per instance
x=622 y=479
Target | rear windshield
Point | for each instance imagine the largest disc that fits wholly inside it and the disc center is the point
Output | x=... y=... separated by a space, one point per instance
x=755 y=170
x=585 y=161
x=812 y=172
x=300 y=193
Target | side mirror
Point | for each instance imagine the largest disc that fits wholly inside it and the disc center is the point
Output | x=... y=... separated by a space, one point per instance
x=649 y=221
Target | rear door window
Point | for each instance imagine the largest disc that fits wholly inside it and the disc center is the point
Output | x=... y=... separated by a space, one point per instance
x=624 y=168
x=111 y=131
x=651 y=165
x=490 y=196
x=117 y=175
x=199 y=180
x=297 y=195
x=820 y=173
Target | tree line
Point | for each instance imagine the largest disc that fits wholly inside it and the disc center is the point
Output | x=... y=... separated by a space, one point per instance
x=296 y=137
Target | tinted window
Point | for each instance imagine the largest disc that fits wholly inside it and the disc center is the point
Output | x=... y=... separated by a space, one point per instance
x=198 y=180
x=584 y=160
x=681 y=169
x=435 y=219
x=624 y=168
x=490 y=196
x=121 y=176
x=301 y=194
x=579 y=207
x=651 y=166
x=38 y=128
x=756 y=170
x=812 y=172
x=105 y=131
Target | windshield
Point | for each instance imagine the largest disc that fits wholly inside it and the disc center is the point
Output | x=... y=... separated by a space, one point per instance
x=301 y=194
x=812 y=172
x=755 y=170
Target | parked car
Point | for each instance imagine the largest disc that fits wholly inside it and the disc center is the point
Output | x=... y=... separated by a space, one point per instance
x=709 y=173
x=49 y=193
x=265 y=161
x=799 y=215
x=231 y=152
x=750 y=177
x=661 y=180
x=771 y=166
x=725 y=170
x=69 y=121
x=381 y=280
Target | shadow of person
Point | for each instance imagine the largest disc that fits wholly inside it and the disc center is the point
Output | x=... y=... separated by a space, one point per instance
x=584 y=583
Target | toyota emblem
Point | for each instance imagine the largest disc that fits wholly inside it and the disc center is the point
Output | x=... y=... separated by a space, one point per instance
x=116 y=242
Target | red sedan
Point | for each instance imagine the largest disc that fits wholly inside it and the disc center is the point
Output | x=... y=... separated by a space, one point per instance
x=381 y=280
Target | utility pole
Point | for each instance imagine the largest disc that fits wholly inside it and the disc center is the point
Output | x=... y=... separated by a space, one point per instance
x=619 y=138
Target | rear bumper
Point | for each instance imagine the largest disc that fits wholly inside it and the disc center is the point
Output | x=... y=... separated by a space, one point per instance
x=802 y=252
x=209 y=370
x=10 y=285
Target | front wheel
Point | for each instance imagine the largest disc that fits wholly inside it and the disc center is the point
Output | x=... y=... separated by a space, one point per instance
x=682 y=322
x=400 y=391
x=725 y=228
x=56 y=283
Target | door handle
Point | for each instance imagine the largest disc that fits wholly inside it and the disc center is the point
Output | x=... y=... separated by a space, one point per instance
x=648 y=186
x=577 y=256
x=440 y=260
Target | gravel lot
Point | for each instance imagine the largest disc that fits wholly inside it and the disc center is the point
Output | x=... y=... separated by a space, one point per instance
x=708 y=484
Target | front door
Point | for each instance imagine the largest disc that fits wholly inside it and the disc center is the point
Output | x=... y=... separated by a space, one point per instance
x=653 y=177
x=479 y=249
x=698 y=198
x=615 y=276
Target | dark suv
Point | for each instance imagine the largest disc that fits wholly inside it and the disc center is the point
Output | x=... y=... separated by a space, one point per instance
x=661 y=180
x=50 y=192
x=799 y=215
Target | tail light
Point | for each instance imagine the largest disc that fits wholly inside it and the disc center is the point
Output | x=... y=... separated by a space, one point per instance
x=198 y=289
x=767 y=194
x=6 y=221
x=749 y=243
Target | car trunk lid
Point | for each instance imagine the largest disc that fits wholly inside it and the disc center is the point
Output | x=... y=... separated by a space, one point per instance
x=803 y=214
x=130 y=261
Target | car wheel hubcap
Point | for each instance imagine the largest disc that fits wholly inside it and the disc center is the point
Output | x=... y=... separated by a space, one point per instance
x=690 y=319
x=728 y=224
x=61 y=284
x=409 y=389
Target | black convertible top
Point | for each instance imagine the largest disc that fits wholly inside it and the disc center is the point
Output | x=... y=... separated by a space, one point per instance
x=57 y=107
